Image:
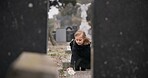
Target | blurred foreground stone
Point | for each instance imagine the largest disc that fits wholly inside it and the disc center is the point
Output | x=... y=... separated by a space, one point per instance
x=33 y=65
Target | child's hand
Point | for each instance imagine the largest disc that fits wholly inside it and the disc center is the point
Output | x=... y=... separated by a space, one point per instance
x=70 y=71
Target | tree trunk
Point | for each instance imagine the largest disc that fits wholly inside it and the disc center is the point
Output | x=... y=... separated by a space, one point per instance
x=51 y=39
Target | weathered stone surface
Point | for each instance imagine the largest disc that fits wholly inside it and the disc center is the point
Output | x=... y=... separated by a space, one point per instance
x=120 y=48
x=33 y=65
x=23 y=27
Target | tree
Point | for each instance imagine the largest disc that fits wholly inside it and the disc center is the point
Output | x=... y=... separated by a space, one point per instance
x=51 y=28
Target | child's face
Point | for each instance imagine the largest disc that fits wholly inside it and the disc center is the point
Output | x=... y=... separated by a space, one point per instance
x=79 y=40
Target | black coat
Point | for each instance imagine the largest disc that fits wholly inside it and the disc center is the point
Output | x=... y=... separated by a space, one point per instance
x=80 y=56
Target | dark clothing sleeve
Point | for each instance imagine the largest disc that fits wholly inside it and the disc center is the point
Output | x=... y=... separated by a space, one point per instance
x=74 y=56
x=80 y=55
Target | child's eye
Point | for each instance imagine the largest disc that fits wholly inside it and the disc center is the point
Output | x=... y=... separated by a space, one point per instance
x=79 y=40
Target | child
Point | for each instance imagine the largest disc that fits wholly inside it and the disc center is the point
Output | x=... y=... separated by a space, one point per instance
x=80 y=47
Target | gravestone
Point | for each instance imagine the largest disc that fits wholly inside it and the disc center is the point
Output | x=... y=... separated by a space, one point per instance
x=23 y=27
x=75 y=28
x=70 y=31
x=33 y=65
x=61 y=35
x=84 y=8
x=120 y=48
x=69 y=36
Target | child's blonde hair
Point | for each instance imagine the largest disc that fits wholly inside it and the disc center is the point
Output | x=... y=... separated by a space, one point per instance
x=82 y=33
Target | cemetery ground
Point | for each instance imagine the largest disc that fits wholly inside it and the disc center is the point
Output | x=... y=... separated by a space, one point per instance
x=61 y=55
